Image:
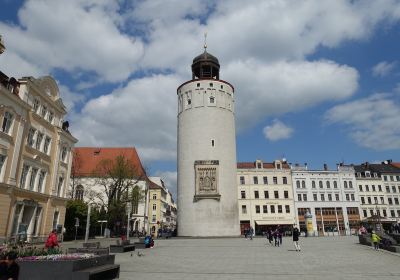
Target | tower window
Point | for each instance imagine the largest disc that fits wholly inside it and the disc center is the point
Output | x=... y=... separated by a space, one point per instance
x=212 y=99
x=212 y=143
x=198 y=84
x=222 y=87
x=189 y=101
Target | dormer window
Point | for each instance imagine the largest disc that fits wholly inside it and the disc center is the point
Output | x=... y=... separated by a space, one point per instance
x=367 y=174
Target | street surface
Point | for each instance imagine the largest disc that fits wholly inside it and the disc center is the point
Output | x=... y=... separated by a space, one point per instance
x=237 y=258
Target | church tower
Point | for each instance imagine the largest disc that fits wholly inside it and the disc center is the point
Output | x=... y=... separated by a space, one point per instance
x=207 y=187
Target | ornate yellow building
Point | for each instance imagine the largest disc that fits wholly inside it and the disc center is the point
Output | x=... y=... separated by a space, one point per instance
x=35 y=157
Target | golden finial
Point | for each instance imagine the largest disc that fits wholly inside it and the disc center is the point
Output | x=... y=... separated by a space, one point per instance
x=205 y=41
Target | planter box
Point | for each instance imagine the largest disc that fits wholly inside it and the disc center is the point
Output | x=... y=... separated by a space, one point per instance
x=100 y=267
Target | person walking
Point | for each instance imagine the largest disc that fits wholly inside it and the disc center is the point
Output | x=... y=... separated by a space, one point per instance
x=296 y=235
x=52 y=242
x=276 y=238
x=251 y=232
x=280 y=234
x=269 y=236
x=375 y=240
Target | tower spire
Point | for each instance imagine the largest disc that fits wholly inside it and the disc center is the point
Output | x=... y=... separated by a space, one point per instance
x=205 y=41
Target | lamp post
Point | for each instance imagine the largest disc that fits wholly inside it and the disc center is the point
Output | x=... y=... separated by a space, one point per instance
x=128 y=211
x=76 y=226
x=87 y=224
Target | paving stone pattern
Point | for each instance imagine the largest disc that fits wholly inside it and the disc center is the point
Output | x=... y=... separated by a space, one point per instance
x=237 y=258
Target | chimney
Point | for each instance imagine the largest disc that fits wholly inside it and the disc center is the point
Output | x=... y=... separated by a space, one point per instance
x=305 y=165
x=325 y=167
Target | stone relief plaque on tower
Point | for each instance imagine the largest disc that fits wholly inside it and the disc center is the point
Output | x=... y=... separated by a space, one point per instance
x=206 y=178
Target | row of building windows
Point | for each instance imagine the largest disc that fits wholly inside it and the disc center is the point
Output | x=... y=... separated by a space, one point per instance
x=373 y=212
x=393 y=190
x=266 y=194
x=391 y=178
x=329 y=197
x=39 y=141
x=42 y=111
x=391 y=201
x=302 y=184
x=367 y=189
x=33 y=178
x=264 y=180
x=272 y=209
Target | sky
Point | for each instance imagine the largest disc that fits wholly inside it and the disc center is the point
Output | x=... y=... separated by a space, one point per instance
x=315 y=81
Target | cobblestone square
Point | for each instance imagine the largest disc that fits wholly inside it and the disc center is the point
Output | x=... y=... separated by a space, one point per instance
x=234 y=258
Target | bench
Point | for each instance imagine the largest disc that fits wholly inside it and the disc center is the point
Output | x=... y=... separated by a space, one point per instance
x=122 y=246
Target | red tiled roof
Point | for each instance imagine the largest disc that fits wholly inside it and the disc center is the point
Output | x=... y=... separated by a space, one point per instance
x=252 y=165
x=396 y=164
x=87 y=159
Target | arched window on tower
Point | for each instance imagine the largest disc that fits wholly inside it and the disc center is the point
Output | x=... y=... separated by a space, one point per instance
x=79 y=192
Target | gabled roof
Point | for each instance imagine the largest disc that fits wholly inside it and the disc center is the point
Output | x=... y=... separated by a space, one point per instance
x=87 y=159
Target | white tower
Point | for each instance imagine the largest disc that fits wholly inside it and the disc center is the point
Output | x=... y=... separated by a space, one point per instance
x=207 y=195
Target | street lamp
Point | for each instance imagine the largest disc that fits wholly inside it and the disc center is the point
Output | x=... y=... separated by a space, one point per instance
x=128 y=211
x=87 y=224
x=76 y=226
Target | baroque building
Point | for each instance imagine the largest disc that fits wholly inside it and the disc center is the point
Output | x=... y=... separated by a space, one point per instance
x=379 y=188
x=265 y=196
x=35 y=157
x=162 y=208
x=330 y=196
x=207 y=202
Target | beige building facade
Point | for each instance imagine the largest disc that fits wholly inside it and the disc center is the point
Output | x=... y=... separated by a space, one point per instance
x=162 y=208
x=265 y=195
x=35 y=157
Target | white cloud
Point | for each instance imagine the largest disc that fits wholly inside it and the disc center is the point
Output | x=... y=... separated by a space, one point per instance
x=277 y=88
x=170 y=180
x=263 y=47
x=141 y=114
x=69 y=98
x=277 y=131
x=383 y=68
x=75 y=36
x=372 y=122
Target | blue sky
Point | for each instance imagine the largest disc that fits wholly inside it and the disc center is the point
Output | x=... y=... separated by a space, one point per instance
x=316 y=81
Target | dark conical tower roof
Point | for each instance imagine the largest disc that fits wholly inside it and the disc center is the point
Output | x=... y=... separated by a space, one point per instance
x=205 y=66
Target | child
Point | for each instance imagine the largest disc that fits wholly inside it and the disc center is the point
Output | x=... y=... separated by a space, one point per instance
x=375 y=240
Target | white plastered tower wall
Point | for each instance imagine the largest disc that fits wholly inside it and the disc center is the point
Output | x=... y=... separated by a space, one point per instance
x=206 y=133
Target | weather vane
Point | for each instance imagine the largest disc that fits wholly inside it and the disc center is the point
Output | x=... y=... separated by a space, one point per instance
x=205 y=41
